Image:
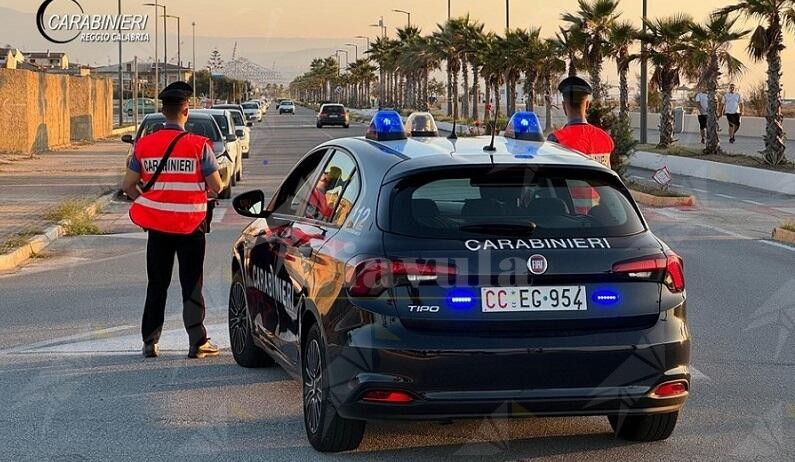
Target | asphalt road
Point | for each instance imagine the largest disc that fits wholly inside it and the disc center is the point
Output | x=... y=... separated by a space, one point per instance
x=74 y=386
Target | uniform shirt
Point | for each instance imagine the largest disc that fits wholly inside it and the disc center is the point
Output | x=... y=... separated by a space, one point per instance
x=573 y=121
x=702 y=100
x=209 y=163
x=731 y=103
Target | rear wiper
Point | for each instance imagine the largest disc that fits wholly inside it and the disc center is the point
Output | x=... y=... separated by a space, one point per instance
x=501 y=229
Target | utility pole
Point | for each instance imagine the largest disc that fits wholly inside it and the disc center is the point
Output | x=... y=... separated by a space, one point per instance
x=407 y=13
x=121 y=78
x=448 y=10
x=194 y=63
x=165 y=47
x=135 y=92
x=179 y=45
x=507 y=14
x=644 y=85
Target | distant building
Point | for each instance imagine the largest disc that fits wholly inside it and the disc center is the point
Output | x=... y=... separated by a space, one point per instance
x=47 y=59
x=11 y=58
x=146 y=73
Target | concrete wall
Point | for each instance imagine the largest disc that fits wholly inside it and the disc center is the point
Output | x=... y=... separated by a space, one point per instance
x=40 y=111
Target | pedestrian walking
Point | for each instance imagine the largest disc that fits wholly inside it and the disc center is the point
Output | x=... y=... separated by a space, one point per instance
x=167 y=178
x=732 y=107
x=581 y=136
x=702 y=103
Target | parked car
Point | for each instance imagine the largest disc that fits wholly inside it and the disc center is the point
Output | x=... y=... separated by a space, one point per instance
x=252 y=111
x=200 y=124
x=238 y=116
x=145 y=106
x=225 y=121
x=333 y=114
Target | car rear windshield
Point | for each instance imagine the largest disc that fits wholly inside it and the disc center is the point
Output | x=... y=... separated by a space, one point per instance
x=199 y=126
x=333 y=110
x=222 y=121
x=543 y=202
x=250 y=106
x=286 y=103
x=237 y=118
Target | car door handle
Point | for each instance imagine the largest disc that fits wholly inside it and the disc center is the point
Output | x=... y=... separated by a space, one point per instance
x=306 y=251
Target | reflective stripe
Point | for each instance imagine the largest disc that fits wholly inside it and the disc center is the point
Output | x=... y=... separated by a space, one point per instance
x=169 y=207
x=173 y=186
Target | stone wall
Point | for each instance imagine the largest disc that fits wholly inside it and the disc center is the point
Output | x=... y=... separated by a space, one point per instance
x=40 y=111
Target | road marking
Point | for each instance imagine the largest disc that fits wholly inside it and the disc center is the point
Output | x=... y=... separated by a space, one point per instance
x=790 y=211
x=748 y=201
x=725 y=196
x=219 y=214
x=677 y=185
x=700 y=190
x=71 y=338
x=138 y=235
x=725 y=231
x=779 y=245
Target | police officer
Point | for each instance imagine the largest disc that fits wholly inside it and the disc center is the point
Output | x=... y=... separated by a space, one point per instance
x=581 y=136
x=172 y=206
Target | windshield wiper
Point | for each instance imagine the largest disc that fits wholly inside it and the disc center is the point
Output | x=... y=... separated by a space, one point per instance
x=501 y=229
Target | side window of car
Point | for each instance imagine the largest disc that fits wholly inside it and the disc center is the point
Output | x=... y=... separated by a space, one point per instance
x=330 y=199
x=294 y=193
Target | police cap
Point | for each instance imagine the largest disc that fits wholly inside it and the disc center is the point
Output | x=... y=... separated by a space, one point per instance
x=575 y=89
x=176 y=93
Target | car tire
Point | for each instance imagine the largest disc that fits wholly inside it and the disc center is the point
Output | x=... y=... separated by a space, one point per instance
x=226 y=193
x=246 y=155
x=650 y=427
x=346 y=126
x=239 y=175
x=326 y=430
x=245 y=352
x=319 y=125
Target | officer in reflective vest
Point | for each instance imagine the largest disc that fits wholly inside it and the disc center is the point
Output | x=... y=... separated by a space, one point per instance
x=173 y=211
x=581 y=136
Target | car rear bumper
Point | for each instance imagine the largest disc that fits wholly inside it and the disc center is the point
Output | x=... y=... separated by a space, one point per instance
x=475 y=376
x=328 y=121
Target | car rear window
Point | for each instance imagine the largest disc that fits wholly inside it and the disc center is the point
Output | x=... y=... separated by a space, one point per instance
x=200 y=126
x=237 y=118
x=543 y=202
x=286 y=103
x=333 y=109
x=250 y=106
x=222 y=122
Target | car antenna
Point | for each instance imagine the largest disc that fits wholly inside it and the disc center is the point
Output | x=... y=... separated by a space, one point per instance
x=490 y=147
x=452 y=135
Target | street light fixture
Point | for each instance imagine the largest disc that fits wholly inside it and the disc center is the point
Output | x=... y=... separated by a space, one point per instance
x=380 y=25
x=346 y=56
x=644 y=84
x=179 y=44
x=407 y=13
x=165 y=46
x=157 y=60
x=366 y=38
x=356 y=47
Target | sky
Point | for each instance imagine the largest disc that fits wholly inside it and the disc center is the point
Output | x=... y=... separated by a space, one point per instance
x=340 y=20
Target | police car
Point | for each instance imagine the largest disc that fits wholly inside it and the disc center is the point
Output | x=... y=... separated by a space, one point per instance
x=419 y=277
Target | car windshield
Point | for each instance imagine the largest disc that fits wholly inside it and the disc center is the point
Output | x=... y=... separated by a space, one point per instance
x=237 y=118
x=543 y=202
x=250 y=106
x=222 y=121
x=199 y=126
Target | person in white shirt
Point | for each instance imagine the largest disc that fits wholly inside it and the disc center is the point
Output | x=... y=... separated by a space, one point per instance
x=732 y=107
x=702 y=103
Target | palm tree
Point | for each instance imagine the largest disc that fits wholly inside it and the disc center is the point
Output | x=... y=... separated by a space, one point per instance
x=471 y=33
x=710 y=58
x=767 y=42
x=666 y=50
x=591 y=25
x=475 y=58
x=622 y=36
x=570 y=44
x=530 y=54
x=492 y=68
x=447 y=43
x=550 y=66
x=512 y=47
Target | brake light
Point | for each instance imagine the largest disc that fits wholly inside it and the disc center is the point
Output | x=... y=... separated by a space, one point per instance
x=643 y=268
x=371 y=277
x=394 y=397
x=670 y=389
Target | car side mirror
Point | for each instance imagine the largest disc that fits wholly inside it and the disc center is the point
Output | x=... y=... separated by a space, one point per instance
x=231 y=137
x=240 y=133
x=251 y=204
x=127 y=139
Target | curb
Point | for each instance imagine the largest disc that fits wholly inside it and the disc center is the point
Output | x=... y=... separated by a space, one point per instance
x=759 y=178
x=783 y=235
x=657 y=201
x=36 y=244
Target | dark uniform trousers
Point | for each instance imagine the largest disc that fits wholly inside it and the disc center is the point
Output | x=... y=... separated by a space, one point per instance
x=160 y=251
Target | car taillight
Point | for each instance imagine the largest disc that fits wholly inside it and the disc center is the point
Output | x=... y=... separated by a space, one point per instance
x=372 y=276
x=643 y=268
x=384 y=396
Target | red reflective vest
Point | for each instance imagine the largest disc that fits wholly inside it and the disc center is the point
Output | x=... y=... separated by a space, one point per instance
x=177 y=203
x=594 y=142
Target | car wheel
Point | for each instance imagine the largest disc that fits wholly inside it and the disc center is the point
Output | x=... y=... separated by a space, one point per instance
x=319 y=125
x=244 y=351
x=326 y=430
x=239 y=175
x=346 y=126
x=651 y=427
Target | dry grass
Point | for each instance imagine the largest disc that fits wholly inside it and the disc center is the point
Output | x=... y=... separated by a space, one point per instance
x=16 y=241
x=789 y=226
x=75 y=218
x=654 y=190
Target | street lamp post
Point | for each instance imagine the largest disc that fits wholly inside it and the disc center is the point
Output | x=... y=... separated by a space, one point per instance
x=165 y=48
x=179 y=45
x=644 y=85
x=157 y=60
x=407 y=13
x=347 y=62
x=356 y=47
x=366 y=38
x=507 y=14
x=194 y=62
x=121 y=78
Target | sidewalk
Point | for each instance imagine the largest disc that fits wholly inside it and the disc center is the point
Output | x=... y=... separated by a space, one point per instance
x=32 y=187
x=747 y=145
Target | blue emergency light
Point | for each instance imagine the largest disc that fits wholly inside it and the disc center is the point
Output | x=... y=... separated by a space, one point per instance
x=386 y=126
x=606 y=297
x=524 y=126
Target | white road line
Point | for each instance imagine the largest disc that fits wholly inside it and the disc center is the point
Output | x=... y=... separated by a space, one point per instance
x=748 y=201
x=700 y=190
x=725 y=196
x=99 y=333
x=779 y=245
x=219 y=214
x=677 y=185
x=726 y=232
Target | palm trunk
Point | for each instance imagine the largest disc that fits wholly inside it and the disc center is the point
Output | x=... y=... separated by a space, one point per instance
x=774 y=132
x=666 y=117
x=512 y=89
x=465 y=100
x=572 y=67
x=475 y=92
x=487 y=90
x=712 y=141
x=449 y=87
x=548 y=102
x=596 y=77
x=623 y=86
x=530 y=78
x=455 y=96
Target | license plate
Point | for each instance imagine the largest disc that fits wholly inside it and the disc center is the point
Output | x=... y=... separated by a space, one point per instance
x=549 y=298
x=333 y=116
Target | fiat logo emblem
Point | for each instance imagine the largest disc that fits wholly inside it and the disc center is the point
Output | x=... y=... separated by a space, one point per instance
x=537 y=264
